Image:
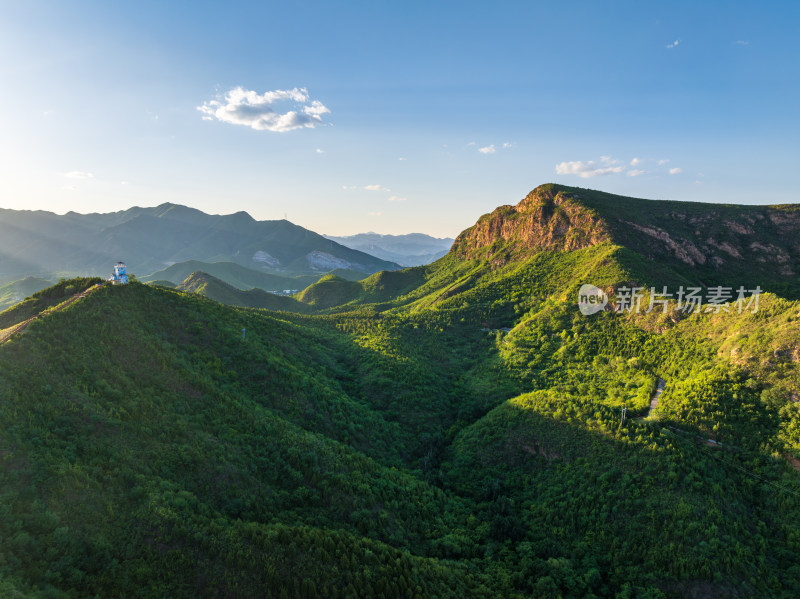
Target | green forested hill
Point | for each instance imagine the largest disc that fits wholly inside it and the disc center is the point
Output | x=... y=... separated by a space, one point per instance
x=16 y=291
x=452 y=430
x=233 y=274
x=213 y=288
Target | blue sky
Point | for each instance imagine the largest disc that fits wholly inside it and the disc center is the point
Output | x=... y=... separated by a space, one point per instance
x=393 y=116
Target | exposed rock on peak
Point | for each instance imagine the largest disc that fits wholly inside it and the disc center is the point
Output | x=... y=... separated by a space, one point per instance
x=712 y=243
x=548 y=218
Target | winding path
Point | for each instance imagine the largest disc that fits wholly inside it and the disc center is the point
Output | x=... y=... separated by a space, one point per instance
x=654 y=402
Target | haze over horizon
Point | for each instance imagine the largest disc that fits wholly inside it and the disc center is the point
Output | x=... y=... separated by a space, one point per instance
x=393 y=118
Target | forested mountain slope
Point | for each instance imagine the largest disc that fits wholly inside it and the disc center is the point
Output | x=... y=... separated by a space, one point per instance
x=213 y=288
x=16 y=291
x=453 y=430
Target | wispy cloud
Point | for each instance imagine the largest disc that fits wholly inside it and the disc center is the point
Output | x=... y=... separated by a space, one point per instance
x=491 y=148
x=319 y=151
x=69 y=188
x=607 y=165
x=279 y=110
x=78 y=175
x=741 y=43
x=589 y=169
x=376 y=213
x=674 y=44
x=397 y=199
x=376 y=188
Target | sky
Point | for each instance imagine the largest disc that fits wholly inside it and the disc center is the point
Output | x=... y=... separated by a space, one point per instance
x=394 y=117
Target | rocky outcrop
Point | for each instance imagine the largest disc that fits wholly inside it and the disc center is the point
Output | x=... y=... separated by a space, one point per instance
x=323 y=261
x=709 y=237
x=266 y=259
x=547 y=219
x=683 y=250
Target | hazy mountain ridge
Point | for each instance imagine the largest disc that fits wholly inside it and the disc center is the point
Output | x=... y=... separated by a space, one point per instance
x=412 y=249
x=149 y=239
x=234 y=274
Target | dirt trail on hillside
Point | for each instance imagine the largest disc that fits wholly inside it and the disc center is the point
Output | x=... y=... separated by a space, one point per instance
x=654 y=402
x=18 y=328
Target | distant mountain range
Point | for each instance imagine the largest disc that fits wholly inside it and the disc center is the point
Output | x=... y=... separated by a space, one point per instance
x=47 y=245
x=414 y=249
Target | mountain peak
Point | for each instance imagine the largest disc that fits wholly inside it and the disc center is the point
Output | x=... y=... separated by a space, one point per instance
x=549 y=218
x=713 y=243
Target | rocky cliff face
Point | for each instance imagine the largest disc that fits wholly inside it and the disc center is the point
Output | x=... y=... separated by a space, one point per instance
x=705 y=242
x=560 y=218
x=763 y=237
x=549 y=218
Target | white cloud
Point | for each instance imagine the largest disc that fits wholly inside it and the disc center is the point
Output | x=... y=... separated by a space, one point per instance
x=279 y=110
x=78 y=175
x=587 y=170
x=674 y=44
x=741 y=43
x=376 y=213
x=507 y=144
x=376 y=188
x=662 y=162
x=319 y=151
x=470 y=144
x=401 y=158
x=487 y=150
x=635 y=172
x=635 y=161
x=674 y=171
x=397 y=199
